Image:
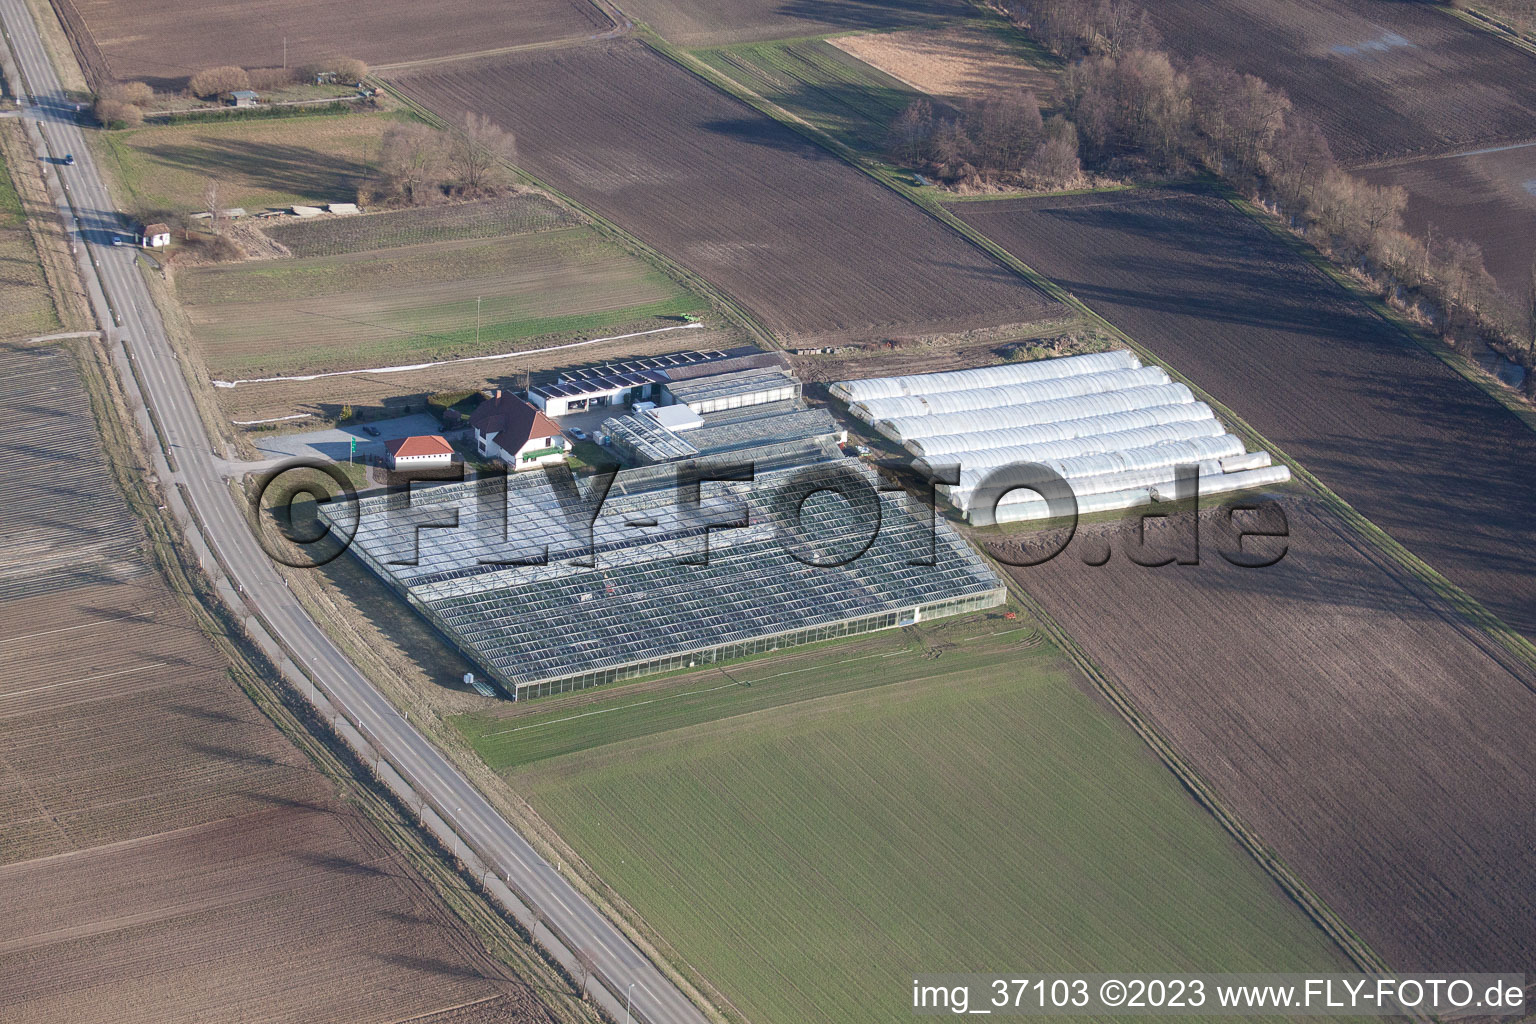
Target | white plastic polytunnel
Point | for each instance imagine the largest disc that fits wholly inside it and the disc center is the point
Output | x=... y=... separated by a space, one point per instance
x=1021 y=512
x=1225 y=482
x=1091 y=493
x=852 y=391
x=1250 y=460
x=1062 y=430
x=1072 y=447
x=1007 y=394
x=977 y=420
x=1153 y=457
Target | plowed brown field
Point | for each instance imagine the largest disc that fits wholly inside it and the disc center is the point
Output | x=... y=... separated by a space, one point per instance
x=1382 y=77
x=1375 y=744
x=811 y=245
x=1413 y=446
x=713 y=22
x=1487 y=197
x=166 y=855
x=164 y=42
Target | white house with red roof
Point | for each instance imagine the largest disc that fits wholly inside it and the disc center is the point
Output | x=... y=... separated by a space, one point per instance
x=424 y=451
x=509 y=429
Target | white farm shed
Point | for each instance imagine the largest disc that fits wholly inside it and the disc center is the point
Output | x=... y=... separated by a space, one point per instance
x=424 y=451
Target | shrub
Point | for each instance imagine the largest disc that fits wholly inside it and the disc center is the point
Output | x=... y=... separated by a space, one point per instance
x=347 y=70
x=137 y=93
x=117 y=114
x=211 y=83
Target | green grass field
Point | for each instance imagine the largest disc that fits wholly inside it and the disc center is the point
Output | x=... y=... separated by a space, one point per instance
x=939 y=799
x=811 y=78
x=257 y=164
x=26 y=306
x=422 y=303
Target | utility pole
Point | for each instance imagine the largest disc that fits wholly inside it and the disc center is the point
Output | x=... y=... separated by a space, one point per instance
x=285 y=53
x=477 y=321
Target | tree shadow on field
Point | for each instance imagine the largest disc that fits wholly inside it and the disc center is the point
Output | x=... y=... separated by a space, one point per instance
x=855 y=14
x=343 y=865
x=760 y=131
x=428 y=965
x=289 y=168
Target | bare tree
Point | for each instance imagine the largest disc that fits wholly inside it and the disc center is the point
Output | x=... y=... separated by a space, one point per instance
x=910 y=137
x=479 y=154
x=211 y=204
x=411 y=162
x=585 y=963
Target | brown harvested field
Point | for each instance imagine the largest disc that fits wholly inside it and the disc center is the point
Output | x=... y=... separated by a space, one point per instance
x=958 y=62
x=164 y=42
x=166 y=855
x=1378 y=746
x=1485 y=197
x=1381 y=77
x=812 y=246
x=1416 y=448
x=716 y=22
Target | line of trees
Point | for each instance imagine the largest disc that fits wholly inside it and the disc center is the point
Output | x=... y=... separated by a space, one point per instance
x=419 y=164
x=1135 y=110
x=998 y=139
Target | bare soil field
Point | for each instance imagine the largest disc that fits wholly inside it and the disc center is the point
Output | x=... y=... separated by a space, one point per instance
x=166 y=855
x=1413 y=446
x=714 y=22
x=164 y=42
x=1377 y=745
x=813 y=247
x=1382 y=77
x=1485 y=197
x=959 y=62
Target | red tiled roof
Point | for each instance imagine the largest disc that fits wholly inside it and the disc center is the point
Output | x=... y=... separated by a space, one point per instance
x=422 y=444
x=512 y=420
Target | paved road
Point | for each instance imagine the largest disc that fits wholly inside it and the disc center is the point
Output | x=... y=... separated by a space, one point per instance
x=619 y=964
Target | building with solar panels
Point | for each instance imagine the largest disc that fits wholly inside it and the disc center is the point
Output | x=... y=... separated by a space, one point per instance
x=549 y=600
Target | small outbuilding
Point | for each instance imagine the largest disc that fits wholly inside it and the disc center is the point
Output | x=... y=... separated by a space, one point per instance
x=424 y=451
x=243 y=98
x=509 y=429
x=155 y=236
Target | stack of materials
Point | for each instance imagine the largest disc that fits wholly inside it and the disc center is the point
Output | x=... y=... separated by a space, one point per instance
x=1114 y=429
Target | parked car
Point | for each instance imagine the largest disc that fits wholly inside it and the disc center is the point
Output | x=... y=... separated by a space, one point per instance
x=577 y=434
x=371 y=431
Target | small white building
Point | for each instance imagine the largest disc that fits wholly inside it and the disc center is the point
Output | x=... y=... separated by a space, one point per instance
x=424 y=451
x=156 y=236
x=509 y=429
x=580 y=393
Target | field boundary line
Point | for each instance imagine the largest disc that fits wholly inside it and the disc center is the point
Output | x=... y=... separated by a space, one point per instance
x=409 y=368
x=1485 y=22
x=735 y=312
x=1421 y=338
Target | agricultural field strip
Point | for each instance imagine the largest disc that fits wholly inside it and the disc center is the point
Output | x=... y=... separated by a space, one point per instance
x=1398 y=848
x=1381 y=79
x=794 y=866
x=189 y=754
x=701 y=149
x=1488 y=573
x=154 y=39
x=439 y=299
x=1471 y=607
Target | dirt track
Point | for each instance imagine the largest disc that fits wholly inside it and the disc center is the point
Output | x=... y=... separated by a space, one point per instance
x=1364 y=737
x=811 y=245
x=166 y=855
x=1417 y=449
